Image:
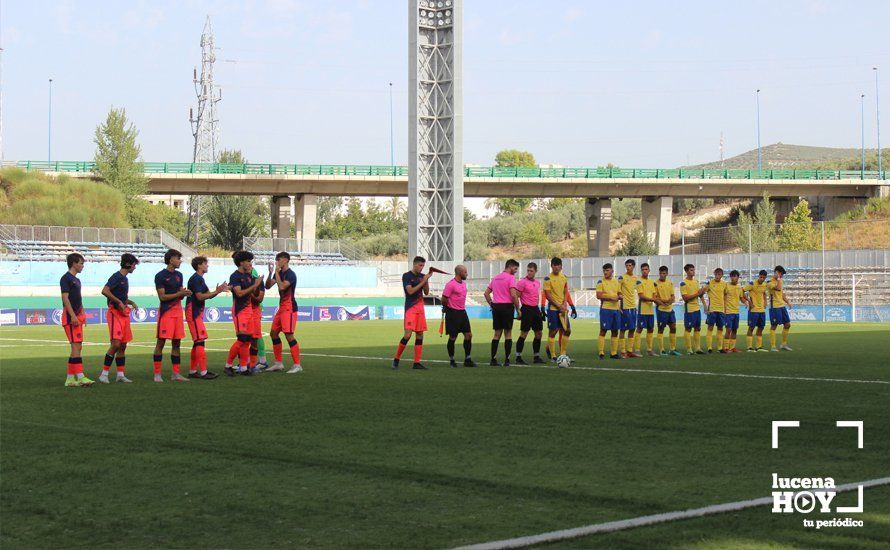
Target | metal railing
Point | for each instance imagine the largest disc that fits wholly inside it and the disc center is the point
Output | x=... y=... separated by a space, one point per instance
x=470 y=171
x=14 y=237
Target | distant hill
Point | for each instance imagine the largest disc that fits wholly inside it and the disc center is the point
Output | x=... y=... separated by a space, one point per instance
x=783 y=155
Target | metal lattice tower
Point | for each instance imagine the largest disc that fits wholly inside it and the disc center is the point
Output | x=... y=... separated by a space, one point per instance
x=204 y=121
x=435 y=119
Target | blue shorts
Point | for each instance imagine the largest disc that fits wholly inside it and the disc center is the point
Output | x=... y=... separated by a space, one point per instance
x=666 y=318
x=628 y=319
x=716 y=318
x=731 y=321
x=756 y=319
x=645 y=322
x=692 y=320
x=779 y=315
x=554 y=323
x=610 y=319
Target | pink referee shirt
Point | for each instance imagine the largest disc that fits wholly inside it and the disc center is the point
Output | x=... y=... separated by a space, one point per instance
x=500 y=288
x=456 y=292
x=529 y=291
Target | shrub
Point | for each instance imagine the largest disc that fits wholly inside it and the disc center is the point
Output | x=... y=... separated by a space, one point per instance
x=385 y=244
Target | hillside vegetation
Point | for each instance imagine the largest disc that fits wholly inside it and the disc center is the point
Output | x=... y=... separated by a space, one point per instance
x=785 y=156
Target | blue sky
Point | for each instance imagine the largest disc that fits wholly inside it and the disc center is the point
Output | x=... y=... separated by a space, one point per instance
x=577 y=83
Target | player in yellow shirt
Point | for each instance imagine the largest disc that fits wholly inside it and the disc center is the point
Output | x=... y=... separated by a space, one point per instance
x=756 y=301
x=628 y=283
x=778 y=312
x=664 y=314
x=692 y=293
x=715 y=308
x=645 y=312
x=556 y=290
x=608 y=292
x=734 y=295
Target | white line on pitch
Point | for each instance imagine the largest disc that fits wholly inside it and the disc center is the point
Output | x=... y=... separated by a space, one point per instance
x=564 y=534
x=599 y=369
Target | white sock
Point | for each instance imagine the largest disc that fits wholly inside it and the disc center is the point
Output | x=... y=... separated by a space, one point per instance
x=79 y=375
x=203 y=372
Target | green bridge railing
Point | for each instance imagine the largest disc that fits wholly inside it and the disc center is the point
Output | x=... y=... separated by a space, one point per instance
x=473 y=172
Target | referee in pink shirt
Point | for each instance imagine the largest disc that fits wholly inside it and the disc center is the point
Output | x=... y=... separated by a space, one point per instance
x=503 y=298
x=454 y=305
x=529 y=289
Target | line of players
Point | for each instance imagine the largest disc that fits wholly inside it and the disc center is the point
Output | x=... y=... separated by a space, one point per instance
x=247 y=288
x=631 y=306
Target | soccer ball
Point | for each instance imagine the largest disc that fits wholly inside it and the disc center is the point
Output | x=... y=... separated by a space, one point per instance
x=563 y=361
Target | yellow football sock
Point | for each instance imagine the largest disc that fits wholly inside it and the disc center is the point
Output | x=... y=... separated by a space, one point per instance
x=719 y=340
x=673 y=339
x=601 y=342
x=710 y=337
x=772 y=338
x=615 y=343
x=637 y=337
x=622 y=344
x=661 y=343
x=759 y=341
x=687 y=337
x=785 y=335
x=697 y=337
x=551 y=345
x=750 y=339
x=563 y=344
x=649 y=337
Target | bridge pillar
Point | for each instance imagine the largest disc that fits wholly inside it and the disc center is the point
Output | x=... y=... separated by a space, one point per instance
x=657 y=213
x=783 y=208
x=306 y=208
x=281 y=217
x=598 y=213
x=828 y=208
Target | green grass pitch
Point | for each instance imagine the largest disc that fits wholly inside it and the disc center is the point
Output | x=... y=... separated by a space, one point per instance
x=352 y=454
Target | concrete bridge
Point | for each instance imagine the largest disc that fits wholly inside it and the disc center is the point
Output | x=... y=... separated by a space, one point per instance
x=300 y=185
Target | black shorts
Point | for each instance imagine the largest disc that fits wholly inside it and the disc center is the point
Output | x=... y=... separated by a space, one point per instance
x=456 y=322
x=502 y=316
x=531 y=319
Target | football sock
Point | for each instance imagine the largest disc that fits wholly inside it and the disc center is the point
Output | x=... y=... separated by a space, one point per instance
x=508 y=347
x=536 y=347
x=277 y=349
x=520 y=345
x=121 y=363
x=106 y=365
x=551 y=346
x=468 y=347
x=601 y=344
x=450 y=347
x=750 y=339
x=760 y=340
x=649 y=337
x=622 y=344
x=785 y=332
x=294 y=351
x=72 y=368
x=697 y=337
x=175 y=359
x=261 y=347
x=772 y=338
x=233 y=352
x=660 y=343
x=156 y=361
x=244 y=351
x=418 y=349
x=637 y=339
x=193 y=359
x=563 y=344
x=253 y=353
x=710 y=338
x=403 y=343
x=673 y=340
x=200 y=357
x=719 y=340
x=494 y=349
x=615 y=344
x=687 y=337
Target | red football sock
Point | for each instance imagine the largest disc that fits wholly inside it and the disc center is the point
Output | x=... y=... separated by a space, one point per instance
x=157 y=360
x=193 y=359
x=233 y=352
x=295 y=352
x=418 y=351
x=175 y=360
x=276 y=349
x=79 y=367
x=244 y=353
x=400 y=349
x=202 y=358
x=72 y=368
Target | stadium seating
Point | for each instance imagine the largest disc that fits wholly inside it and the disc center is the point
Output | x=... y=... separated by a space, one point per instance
x=313 y=258
x=91 y=251
x=804 y=285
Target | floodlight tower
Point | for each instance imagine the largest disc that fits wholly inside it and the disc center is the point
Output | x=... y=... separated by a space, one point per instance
x=435 y=126
x=205 y=127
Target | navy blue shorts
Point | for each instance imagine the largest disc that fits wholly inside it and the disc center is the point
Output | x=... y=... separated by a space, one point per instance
x=645 y=322
x=692 y=320
x=731 y=321
x=779 y=315
x=716 y=318
x=756 y=319
x=628 y=319
x=554 y=322
x=666 y=318
x=610 y=319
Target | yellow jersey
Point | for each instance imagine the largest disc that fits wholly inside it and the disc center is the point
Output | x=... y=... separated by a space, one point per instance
x=776 y=292
x=646 y=289
x=628 y=291
x=687 y=287
x=665 y=291
x=756 y=296
x=610 y=288
x=716 y=290
x=733 y=297
x=555 y=286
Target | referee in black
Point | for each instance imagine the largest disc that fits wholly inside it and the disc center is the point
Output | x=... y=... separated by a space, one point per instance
x=454 y=306
x=503 y=298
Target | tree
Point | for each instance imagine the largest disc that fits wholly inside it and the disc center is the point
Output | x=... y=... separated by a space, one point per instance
x=229 y=220
x=758 y=231
x=508 y=205
x=514 y=158
x=798 y=232
x=231 y=156
x=117 y=156
x=638 y=244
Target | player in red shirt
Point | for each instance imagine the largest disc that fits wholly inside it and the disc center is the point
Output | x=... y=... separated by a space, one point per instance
x=286 y=317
